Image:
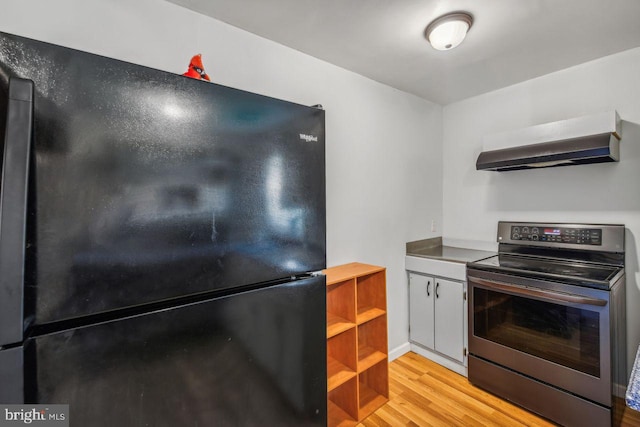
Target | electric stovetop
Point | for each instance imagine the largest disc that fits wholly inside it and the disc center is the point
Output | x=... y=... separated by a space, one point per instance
x=580 y=273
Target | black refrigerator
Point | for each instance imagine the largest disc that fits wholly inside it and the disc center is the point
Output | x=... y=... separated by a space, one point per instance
x=160 y=245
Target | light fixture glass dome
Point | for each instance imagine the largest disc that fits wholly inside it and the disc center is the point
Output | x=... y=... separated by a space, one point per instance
x=448 y=31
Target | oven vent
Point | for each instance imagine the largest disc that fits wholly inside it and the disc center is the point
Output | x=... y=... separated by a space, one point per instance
x=582 y=140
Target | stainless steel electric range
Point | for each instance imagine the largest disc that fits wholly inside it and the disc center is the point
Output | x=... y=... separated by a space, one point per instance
x=547 y=320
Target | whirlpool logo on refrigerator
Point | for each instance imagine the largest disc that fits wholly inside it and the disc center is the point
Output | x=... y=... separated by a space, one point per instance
x=308 y=138
x=37 y=415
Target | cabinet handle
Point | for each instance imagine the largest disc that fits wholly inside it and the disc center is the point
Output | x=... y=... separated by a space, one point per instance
x=437 y=286
x=428 y=284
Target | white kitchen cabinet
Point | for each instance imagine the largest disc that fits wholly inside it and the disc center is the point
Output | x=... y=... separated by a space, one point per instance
x=438 y=324
x=421 y=310
x=448 y=319
x=437 y=319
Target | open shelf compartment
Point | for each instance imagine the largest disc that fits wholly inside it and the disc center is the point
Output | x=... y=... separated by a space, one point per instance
x=341 y=307
x=341 y=358
x=372 y=342
x=371 y=296
x=342 y=405
x=373 y=388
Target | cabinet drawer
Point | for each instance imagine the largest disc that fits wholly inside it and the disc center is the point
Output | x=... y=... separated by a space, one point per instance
x=453 y=270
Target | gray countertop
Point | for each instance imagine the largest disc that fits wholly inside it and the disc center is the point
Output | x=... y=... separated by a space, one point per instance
x=433 y=248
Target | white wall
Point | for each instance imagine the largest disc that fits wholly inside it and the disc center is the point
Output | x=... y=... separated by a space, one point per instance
x=383 y=147
x=474 y=201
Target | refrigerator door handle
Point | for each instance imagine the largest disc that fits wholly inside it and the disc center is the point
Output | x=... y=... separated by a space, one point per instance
x=13 y=208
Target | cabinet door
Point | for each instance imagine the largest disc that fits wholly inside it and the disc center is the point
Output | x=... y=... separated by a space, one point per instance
x=449 y=319
x=421 y=292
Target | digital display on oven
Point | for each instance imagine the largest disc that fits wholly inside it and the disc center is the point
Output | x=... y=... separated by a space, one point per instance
x=552 y=231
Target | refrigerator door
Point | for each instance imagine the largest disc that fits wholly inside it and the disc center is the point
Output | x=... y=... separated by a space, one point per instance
x=255 y=358
x=11 y=375
x=149 y=186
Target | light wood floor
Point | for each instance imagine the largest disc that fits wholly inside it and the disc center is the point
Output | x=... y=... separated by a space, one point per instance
x=423 y=393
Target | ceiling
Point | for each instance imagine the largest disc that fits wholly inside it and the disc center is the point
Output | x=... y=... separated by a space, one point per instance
x=510 y=41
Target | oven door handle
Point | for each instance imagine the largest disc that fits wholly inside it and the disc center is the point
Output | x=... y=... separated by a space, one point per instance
x=539 y=293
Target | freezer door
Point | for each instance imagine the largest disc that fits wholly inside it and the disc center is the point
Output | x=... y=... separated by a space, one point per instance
x=256 y=358
x=150 y=186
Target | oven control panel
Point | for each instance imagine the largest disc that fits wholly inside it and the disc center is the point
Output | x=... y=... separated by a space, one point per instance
x=578 y=236
x=573 y=236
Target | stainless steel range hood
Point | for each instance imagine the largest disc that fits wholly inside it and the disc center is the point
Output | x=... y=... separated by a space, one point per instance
x=583 y=140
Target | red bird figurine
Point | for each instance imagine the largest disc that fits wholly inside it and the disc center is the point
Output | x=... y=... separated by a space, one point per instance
x=196 y=69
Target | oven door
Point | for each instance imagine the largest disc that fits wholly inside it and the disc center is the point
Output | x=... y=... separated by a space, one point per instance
x=556 y=333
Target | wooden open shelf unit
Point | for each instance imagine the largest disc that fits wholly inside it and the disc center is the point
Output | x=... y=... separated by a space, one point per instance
x=357 y=349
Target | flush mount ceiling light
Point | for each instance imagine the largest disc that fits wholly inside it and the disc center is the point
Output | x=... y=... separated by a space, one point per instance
x=448 y=31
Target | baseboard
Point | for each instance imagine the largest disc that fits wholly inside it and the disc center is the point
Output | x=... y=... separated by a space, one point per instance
x=399 y=351
x=619 y=390
x=439 y=359
x=444 y=361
